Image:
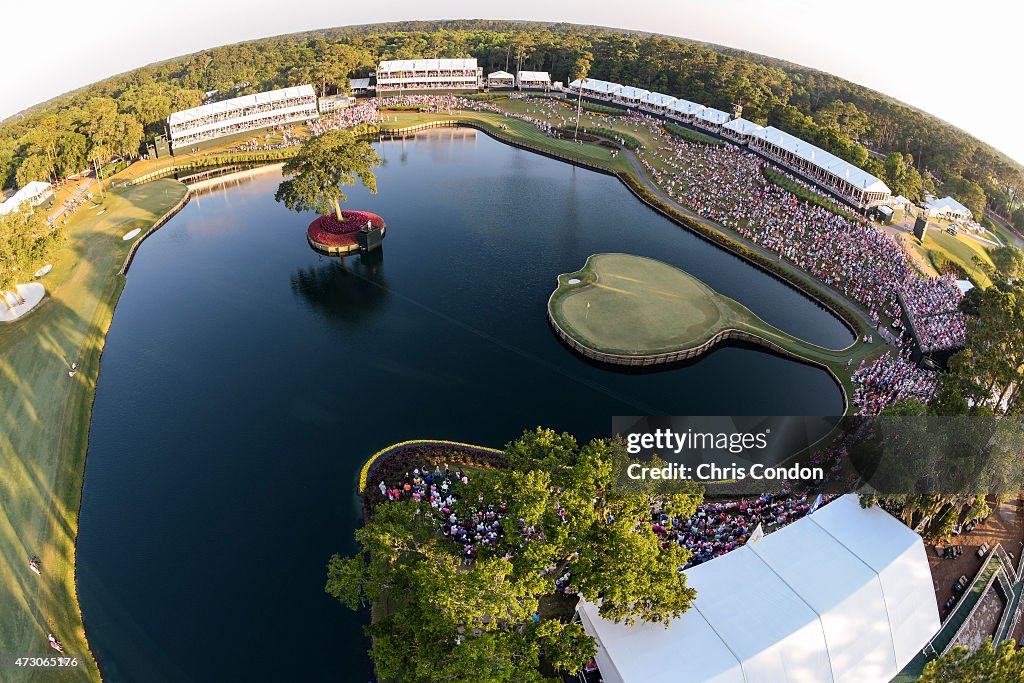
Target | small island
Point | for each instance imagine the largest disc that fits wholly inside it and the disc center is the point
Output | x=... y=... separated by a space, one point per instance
x=331 y=237
x=633 y=310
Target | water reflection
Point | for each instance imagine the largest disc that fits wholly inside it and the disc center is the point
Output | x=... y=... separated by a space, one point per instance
x=350 y=289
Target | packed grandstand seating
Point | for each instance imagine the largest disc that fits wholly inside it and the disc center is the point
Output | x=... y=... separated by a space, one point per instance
x=888 y=379
x=933 y=306
x=241 y=114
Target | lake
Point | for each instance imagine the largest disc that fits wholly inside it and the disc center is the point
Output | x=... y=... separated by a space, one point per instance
x=245 y=380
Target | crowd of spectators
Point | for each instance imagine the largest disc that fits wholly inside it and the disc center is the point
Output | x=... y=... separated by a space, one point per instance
x=278 y=137
x=719 y=526
x=472 y=523
x=934 y=309
x=888 y=379
x=469 y=522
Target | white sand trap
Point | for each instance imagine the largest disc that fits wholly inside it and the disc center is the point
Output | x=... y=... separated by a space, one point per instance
x=11 y=309
x=100 y=213
x=132 y=234
x=574 y=281
x=44 y=270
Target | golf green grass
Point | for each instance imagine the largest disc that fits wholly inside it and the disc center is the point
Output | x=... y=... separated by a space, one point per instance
x=633 y=310
x=46 y=425
x=635 y=306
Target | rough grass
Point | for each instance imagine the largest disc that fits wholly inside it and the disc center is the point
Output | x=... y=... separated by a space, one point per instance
x=45 y=428
x=960 y=250
x=692 y=135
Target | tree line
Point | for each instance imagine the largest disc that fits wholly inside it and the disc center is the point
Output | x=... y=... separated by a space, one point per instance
x=913 y=151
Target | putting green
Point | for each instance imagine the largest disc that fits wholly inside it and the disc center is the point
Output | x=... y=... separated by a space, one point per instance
x=633 y=310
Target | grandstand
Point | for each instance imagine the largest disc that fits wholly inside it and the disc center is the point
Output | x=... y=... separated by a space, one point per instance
x=533 y=80
x=739 y=130
x=500 y=79
x=711 y=119
x=428 y=74
x=843 y=179
x=853 y=184
x=597 y=89
x=844 y=594
x=629 y=96
x=656 y=102
x=194 y=128
x=683 y=110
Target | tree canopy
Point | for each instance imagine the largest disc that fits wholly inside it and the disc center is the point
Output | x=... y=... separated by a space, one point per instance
x=1004 y=664
x=322 y=166
x=25 y=239
x=440 y=620
x=845 y=118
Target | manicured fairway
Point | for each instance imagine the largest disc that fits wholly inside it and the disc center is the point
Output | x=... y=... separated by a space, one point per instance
x=45 y=428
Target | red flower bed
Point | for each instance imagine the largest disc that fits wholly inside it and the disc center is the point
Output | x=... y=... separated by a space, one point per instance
x=328 y=231
x=352 y=221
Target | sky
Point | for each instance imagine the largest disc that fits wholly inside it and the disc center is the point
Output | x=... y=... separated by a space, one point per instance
x=959 y=61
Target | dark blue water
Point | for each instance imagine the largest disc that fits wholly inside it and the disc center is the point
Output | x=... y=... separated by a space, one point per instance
x=245 y=380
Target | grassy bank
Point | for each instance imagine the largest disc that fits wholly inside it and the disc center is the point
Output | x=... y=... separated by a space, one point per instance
x=46 y=425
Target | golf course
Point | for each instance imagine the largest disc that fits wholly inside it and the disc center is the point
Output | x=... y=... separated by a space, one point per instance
x=46 y=426
x=636 y=311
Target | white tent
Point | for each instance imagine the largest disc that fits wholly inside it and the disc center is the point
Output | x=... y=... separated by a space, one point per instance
x=843 y=595
x=818 y=157
x=657 y=99
x=533 y=79
x=34 y=193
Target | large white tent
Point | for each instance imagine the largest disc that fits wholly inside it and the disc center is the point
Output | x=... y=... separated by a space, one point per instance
x=35 y=193
x=842 y=595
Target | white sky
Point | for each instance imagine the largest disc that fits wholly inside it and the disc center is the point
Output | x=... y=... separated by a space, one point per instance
x=959 y=61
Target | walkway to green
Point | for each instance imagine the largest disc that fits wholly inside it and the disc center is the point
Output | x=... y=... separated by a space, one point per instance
x=632 y=310
x=46 y=423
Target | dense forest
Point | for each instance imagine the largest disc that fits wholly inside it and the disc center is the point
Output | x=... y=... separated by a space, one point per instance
x=913 y=151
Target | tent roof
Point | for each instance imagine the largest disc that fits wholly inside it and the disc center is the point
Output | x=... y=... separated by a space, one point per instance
x=742 y=126
x=27 y=193
x=948 y=204
x=354 y=83
x=685 y=106
x=425 y=64
x=712 y=115
x=595 y=85
x=632 y=93
x=240 y=103
x=658 y=99
x=534 y=76
x=500 y=74
x=841 y=168
x=844 y=594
